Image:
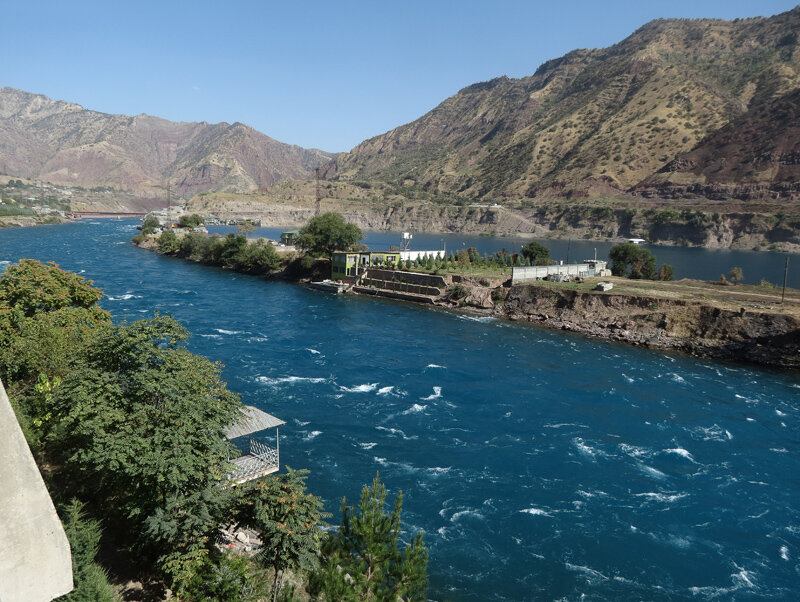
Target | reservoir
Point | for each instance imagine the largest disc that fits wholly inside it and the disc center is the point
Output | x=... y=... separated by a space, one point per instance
x=539 y=464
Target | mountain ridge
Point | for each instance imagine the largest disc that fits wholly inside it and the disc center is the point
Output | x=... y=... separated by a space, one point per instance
x=63 y=143
x=593 y=122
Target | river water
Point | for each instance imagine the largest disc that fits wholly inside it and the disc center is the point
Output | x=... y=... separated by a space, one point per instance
x=541 y=465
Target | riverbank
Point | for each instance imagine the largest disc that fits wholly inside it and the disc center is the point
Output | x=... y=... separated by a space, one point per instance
x=685 y=316
x=738 y=323
x=25 y=221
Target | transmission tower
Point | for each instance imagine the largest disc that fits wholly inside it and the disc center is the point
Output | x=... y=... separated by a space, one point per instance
x=319 y=192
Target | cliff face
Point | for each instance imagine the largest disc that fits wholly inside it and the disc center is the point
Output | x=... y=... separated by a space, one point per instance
x=65 y=144
x=600 y=122
x=686 y=326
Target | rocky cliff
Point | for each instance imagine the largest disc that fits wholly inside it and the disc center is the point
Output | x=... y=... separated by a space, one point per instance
x=699 y=328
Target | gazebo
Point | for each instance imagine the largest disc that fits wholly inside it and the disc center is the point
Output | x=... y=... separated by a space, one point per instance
x=261 y=458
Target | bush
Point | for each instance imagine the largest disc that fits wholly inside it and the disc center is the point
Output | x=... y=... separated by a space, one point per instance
x=458 y=291
x=536 y=253
x=632 y=261
x=168 y=242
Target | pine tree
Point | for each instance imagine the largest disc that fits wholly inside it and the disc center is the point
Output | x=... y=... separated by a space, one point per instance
x=362 y=561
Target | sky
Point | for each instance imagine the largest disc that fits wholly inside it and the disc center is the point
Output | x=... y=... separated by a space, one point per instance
x=317 y=74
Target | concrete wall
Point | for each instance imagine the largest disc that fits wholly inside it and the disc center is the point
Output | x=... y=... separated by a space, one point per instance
x=411 y=277
x=537 y=272
x=35 y=559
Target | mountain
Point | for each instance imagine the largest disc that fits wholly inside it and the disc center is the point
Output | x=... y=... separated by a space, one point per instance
x=65 y=144
x=610 y=121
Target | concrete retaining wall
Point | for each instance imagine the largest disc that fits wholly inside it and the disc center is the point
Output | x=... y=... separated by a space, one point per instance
x=409 y=277
x=35 y=559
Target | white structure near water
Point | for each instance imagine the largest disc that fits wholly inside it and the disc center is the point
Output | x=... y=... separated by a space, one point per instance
x=406 y=254
x=587 y=269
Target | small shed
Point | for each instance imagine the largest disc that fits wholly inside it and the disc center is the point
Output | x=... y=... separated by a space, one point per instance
x=261 y=459
x=289 y=237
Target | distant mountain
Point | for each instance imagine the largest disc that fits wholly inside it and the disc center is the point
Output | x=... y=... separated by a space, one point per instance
x=618 y=119
x=63 y=143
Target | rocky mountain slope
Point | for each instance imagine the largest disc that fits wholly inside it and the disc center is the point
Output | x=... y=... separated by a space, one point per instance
x=606 y=121
x=65 y=144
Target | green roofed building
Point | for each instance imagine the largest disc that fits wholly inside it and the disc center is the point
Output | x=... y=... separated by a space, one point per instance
x=350 y=264
x=289 y=237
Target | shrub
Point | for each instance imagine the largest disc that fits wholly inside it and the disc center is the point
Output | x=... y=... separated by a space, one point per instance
x=458 y=291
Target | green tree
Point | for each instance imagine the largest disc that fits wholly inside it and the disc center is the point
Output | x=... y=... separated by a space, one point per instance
x=362 y=561
x=666 y=272
x=83 y=532
x=536 y=253
x=149 y=225
x=326 y=233
x=287 y=519
x=190 y=221
x=140 y=431
x=46 y=316
x=258 y=257
x=735 y=275
x=633 y=261
x=168 y=242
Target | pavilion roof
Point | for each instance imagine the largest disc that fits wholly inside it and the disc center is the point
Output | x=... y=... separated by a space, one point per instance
x=252 y=421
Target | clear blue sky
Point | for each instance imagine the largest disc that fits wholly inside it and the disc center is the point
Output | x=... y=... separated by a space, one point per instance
x=317 y=74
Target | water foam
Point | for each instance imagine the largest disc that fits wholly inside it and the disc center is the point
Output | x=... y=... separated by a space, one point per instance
x=535 y=512
x=365 y=388
x=437 y=393
x=592 y=576
x=683 y=453
x=652 y=472
x=666 y=498
x=784 y=553
x=367 y=445
x=223 y=331
x=385 y=390
x=469 y=513
x=394 y=431
x=416 y=408
x=312 y=435
x=435 y=366
x=266 y=380
x=312 y=351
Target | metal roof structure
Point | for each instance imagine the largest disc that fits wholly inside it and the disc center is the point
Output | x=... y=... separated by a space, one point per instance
x=252 y=421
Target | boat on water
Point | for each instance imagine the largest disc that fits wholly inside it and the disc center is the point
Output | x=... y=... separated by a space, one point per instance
x=329 y=285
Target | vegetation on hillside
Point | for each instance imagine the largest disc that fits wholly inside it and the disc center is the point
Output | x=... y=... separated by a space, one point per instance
x=595 y=122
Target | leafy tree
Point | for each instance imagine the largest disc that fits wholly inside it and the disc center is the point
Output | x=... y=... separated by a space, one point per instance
x=190 y=221
x=632 y=261
x=149 y=225
x=326 y=233
x=46 y=316
x=168 y=242
x=362 y=561
x=258 y=257
x=666 y=272
x=735 y=275
x=140 y=430
x=287 y=519
x=536 y=253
